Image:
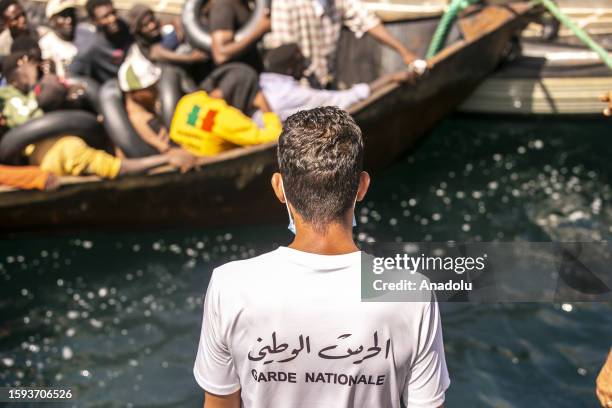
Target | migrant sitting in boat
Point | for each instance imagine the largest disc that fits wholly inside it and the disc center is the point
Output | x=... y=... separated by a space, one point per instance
x=150 y=42
x=102 y=48
x=64 y=154
x=56 y=41
x=15 y=23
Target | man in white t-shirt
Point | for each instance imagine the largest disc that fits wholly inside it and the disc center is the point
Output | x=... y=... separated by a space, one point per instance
x=56 y=43
x=288 y=328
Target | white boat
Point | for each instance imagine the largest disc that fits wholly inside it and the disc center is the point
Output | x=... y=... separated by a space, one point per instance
x=559 y=77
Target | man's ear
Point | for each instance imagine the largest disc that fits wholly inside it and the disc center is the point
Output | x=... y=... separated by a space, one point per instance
x=364 y=184
x=276 y=186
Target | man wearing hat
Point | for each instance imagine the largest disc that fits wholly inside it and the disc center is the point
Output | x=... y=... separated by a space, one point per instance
x=138 y=80
x=57 y=44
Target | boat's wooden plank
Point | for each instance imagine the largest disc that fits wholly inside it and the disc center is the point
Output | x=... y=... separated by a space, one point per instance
x=538 y=96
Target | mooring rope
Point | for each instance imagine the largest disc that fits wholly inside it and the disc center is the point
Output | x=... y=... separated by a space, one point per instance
x=439 y=37
x=578 y=32
x=457 y=6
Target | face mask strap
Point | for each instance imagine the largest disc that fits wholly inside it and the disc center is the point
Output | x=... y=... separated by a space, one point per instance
x=291 y=225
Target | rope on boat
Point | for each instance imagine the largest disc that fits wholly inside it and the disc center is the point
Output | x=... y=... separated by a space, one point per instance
x=578 y=32
x=457 y=6
x=439 y=37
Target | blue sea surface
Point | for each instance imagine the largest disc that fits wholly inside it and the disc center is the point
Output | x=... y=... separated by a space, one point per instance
x=116 y=316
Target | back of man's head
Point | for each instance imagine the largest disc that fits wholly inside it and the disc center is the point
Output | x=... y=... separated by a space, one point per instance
x=320 y=156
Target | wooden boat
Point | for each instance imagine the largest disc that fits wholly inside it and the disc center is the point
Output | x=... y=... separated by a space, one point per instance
x=234 y=187
x=554 y=77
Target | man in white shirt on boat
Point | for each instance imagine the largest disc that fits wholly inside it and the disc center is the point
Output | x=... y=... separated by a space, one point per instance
x=288 y=328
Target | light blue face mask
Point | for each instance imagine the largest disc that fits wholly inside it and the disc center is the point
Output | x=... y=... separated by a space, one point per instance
x=291 y=226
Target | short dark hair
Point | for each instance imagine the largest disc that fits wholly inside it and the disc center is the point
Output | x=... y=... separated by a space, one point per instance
x=11 y=62
x=27 y=44
x=91 y=6
x=320 y=157
x=4 y=4
x=279 y=59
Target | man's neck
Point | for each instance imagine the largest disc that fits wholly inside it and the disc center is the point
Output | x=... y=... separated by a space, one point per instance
x=336 y=239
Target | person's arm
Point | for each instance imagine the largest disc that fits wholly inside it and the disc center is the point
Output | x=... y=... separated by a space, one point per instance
x=160 y=54
x=222 y=401
x=356 y=17
x=307 y=98
x=27 y=178
x=141 y=165
x=145 y=126
x=225 y=47
x=395 y=77
x=81 y=65
x=382 y=35
x=177 y=157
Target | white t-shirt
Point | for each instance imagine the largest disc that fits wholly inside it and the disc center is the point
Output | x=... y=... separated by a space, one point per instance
x=60 y=51
x=290 y=330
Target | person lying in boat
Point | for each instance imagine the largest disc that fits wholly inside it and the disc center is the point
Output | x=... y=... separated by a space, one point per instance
x=66 y=154
x=315 y=26
x=286 y=95
x=149 y=42
x=27 y=178
x=15 y=23
x=203 y=123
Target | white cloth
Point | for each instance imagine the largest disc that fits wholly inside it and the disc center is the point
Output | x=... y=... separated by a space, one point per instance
x=137 y=72
x=60 y=51
x=286 y=95
x=289 y=329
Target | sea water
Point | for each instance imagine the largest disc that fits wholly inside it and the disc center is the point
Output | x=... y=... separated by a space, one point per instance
x=116 y=316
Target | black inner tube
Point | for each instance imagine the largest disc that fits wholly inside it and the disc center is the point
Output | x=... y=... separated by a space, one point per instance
x=91 y=88
x=117 y=123
x=170 y=91
x=199 y=37
x=64 y=122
